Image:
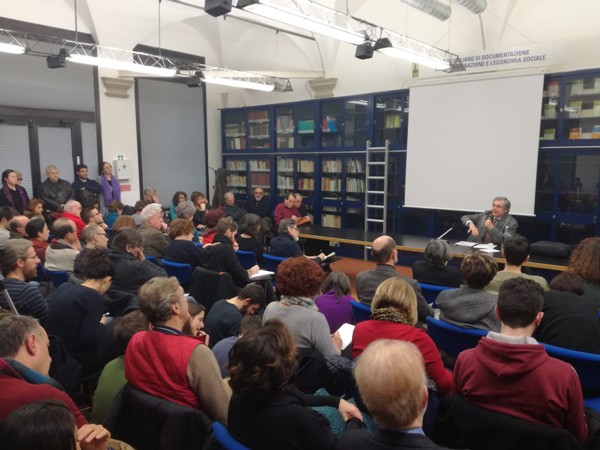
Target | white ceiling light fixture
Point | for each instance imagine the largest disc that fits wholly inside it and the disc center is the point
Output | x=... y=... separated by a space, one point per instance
x=244 y=80
x=403 y=47
x=307 y=15
x=10 y=44
x=434 y=8
x=475 y=6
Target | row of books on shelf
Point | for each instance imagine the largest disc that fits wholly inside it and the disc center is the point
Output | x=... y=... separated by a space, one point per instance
x=393 y=120
x=584 y=86
x=235 y=129
x=355 y=166
x=236 y=180
x=285 y=142
x=306 y=165
x=285 y=164
x=578 y=108
x=306 y=184
x=332 y=165
x=238 y=143
x=259 y=130
x=235 y=164
x=355 y=185
x=285 y=123
x=331 y=220
x=574 y=133
x=284 y=182
x=256 y=116
x=331 y=184
x=329 y=124
x=260 y=164
x=260 y=178
x=306 y=126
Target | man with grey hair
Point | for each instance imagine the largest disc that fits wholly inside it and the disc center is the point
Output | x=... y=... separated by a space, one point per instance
x=54 y=192
x=19 y=263
x=231 y=209
x=165 y=362
x=434 y=268
x=94 y=238
x=153 y=230
x=16 y=226
x=285 y=244
x=65 y=246
x=72 y=210
x=24 y=365
x=149 y=195
x=492 y=225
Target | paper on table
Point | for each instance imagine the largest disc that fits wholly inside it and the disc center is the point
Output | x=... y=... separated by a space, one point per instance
x=346 y=331
x=262 y=275
x=485 y=246
x=466 y=243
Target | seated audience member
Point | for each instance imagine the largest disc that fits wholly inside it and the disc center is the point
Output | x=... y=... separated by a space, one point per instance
x=225 y=316
x=24 y=365
x=221 y=257
x=285 y=244
x=299 y=206
x=64 y=248
x=385 y=255
x=16 y=227
x=299 y=281
x=6 y=214
x=139 y=207
x=38 y=234
x=435 y=269
x=231 y=209
x=510 y=373
x=76 y=312
x=72 y=210
x=122 y=222
x=153 y=230
x=49 y=424
x=112 y=379
x=150 y=195
x=185 y=210
x=222 y=348
x=93 y=215
x=200 y=202
x=286 y=210
x=394 y=317
x=212 y=219
x=195 y=326
x=570 y=319
x=262 y=365
x=19 y=263
x=392 y=384
x=334 y=302
x=516 y=250
x=94 y=238
x=35 y=209
x=115 y=210
x=12 y=193
x=178 y=197
x=248 y=240
x=181 y=249
x=260 y=205
x=470 y=306
x=167 y=363
x=131 y=268
x=585 y=262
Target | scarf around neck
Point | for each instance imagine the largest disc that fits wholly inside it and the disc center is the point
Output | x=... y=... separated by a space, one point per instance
x=306 y=302
x=390 y=315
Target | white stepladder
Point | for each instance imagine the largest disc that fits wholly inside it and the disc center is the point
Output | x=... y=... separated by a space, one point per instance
x=376 y=184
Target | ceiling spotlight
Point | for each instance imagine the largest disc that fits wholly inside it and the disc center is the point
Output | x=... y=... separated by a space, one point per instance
x=217 y=8
x=364 y=50
x=57 y=61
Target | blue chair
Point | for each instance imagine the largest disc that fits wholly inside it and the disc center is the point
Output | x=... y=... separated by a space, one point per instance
x=360 y=312
x=246 y=259
x=200 y=244
x=453 y=339
x=587 y=366
x=431 y=291
x=272 y=262
x=183 y=272
x=152 y=259
x=58 y=277
x=224 y=438
x=42 y=274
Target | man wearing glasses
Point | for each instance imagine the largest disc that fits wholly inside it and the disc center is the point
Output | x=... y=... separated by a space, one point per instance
x=285 y=244
x=94 y=238
x=19 y=263
x=65 y=246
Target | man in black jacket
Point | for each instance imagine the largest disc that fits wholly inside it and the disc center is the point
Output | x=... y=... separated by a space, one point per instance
x=54 y=191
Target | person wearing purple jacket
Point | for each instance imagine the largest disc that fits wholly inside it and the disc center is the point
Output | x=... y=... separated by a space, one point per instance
x=334 y=302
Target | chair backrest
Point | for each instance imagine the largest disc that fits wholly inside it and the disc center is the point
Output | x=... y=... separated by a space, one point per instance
x=42 y=274
x=453 y=339
x=208 y=286
x=183 y=272
x=460 y=424
x=153 y=423
x=431 y=291
x=224 y=438
x=360 y=312
x=152 y=259
x=272 y=262
x=246 y=259
x=58 y=277
x=587 y=366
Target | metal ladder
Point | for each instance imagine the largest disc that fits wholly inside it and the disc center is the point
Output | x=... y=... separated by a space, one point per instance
x=376 y=187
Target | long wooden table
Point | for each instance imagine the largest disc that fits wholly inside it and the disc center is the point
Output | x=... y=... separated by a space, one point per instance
x=412 y=244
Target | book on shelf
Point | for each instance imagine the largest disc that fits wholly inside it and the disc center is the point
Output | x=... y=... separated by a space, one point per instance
x=552 y=89
x=575 y=108
x=575 y=133
x=576 y=87
x=596 y=132
x=332 y=165
x=354 y=166
x=306 y=126
x=549 y=134
x=596 y=108
x=261 y=165
x=549 y=111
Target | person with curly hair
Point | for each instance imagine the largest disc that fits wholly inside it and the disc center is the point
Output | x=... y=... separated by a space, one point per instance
x=585 y=262
x=299 y=280
x=35 y=209
x=262 y=365
x=394 y=317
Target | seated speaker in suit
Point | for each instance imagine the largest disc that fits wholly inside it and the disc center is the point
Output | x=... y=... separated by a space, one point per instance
x=492 y=225
x=392 y=383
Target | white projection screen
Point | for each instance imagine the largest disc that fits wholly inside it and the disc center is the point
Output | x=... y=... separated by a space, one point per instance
x=471 y=141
